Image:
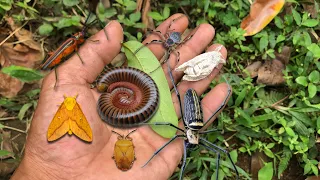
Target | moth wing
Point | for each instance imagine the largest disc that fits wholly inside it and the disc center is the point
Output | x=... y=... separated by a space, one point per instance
x=79 y=124
x=59 y=124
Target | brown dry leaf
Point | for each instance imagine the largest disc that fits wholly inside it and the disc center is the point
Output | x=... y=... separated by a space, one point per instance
x=148 y=21
x=261 y=14
x=119 y=60
x=253 y=69
x=7 y=168
x=139 y=5
x=3 y=113
x=257 y=163
x=310 y=7
x=24 y=36
x=270 y=73
x=23 y=52
x=284 y=55
x=6 y=144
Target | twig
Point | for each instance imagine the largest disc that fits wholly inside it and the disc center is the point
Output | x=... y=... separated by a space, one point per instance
x=14 y=129
x=11 y=34
x=274 y=104
x=8 y=118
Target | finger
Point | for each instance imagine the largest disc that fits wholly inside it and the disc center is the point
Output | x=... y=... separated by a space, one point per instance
x=201 y=38
x=94 y=54
x=213 y=103
x=201 y=85
x=179 y=25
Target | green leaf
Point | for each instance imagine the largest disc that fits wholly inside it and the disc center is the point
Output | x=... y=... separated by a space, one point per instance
x=6 y=4
x=314 y=76
x=312 y=89
x=166 y=12
x=22 y=73
x=241 y=96
x=4 y=153
x=134 y=17
x=130 y=5
x=23 y=110
x=296 y=16
x=269 y=153
x=289 y=131
x=310 y=22
x=70 y=2
x=302 y=80
x=280 y=38
x=278 y=21
x=263 y=44
x=156 y=16
x=45 y=29
x=315 y=49
x=307 y=168
x=67 y=22
x=1 y=126
x=145 y=60
x=266 y=173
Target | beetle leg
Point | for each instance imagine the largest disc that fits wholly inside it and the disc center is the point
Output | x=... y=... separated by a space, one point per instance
x=56 y=75
x=177 y=92
x=79 y=57
x=224 y=151
x=218 y=158
x=221 y=106
x=184 y=160
x=155 y=153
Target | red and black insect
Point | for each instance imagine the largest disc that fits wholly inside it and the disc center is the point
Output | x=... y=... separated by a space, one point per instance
x=70 y=46
x=170 y=41
x=193 y=124
x=123 y=153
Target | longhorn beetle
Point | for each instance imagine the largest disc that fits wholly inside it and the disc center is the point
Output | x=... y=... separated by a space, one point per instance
x=170 y=41
x=193 y=123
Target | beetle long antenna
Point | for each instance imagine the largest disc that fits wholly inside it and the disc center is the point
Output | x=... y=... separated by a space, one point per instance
x=130 y=133
x=223 y=150
x=222 y=105
x=155 y=153
x=117 y=133
x=218 y=158
x=184 y=161
x=177 y=92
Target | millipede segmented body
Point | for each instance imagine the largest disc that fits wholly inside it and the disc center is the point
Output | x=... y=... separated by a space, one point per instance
x=129 y=97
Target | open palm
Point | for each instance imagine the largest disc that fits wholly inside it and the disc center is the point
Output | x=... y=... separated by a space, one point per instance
x=72 y=158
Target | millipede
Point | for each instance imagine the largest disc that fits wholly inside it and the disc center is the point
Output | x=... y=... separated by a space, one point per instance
x=129 y=97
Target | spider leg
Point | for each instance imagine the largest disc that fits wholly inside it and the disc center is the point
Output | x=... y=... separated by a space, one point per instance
x=177 y=92
x=209 y=131
x=155 y=153
x=184 y=161
x=221 y=106
x=164 y=124
x=153 y=41
x=175 y=20
x=218 y=158
x=224 y=151
x=188 y=38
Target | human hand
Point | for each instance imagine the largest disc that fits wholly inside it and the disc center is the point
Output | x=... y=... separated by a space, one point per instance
x=69 y=157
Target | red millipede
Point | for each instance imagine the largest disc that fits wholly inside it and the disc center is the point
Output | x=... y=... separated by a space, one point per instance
x=129 y=97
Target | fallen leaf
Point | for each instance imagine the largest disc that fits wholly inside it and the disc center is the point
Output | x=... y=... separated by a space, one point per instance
x=253 y=68
x=270 y=73
x=148 y=21
x=20 y=50
x=261 y=14
x=3 y=113
x=257 y=163
x=6 y=144
x=313 y=178
x=119 y=60
x=7 y=168
x=284 y=55
x=310 y=7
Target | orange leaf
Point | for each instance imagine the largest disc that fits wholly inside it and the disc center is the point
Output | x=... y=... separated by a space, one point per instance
x=69 y=118
x=261 y=14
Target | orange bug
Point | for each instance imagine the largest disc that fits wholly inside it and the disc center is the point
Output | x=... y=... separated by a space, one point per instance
x=69 y=118
x=123 y=154
x=67 y=48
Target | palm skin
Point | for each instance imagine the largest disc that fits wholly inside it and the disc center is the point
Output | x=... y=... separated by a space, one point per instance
x=71 y=158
